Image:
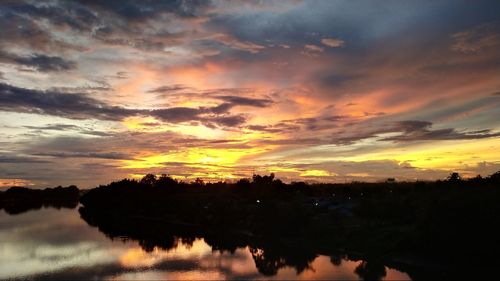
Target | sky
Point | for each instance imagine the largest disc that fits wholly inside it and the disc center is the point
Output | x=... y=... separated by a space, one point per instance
x=316 y=91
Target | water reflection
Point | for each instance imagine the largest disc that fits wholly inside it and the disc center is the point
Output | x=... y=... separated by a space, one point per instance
x=58 y=244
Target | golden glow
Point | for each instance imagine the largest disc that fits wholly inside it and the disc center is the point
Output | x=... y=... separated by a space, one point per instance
x=358 y=175
x=216 y=175
x=284 y=169
x=138 y=123
x=192 y=157
x=452 y=154
x=315 y=173
x=14 y=182
x=137 y=257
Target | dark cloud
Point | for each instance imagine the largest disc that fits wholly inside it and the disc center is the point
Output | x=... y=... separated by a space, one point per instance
x=55 y=127
x=66 y=13
x=231 y=96
x=137 y=43
x=178 y=114
x=420 y=130
x=11 y=159
x=318 y=123
x=18 y=20
x=293 y=141
x=45 y=63
x=229 y=121
x=74 y=105
x=232 y=101
x=412 y=125
x=410 y=130
x=69 y=127
x=217 y=115
x=83 y=15
x=221 y=108
x=81 y=106
x=147 y=9
x=264 y=128
x=169 y=88
x=209 y=116
x=350 y=138
x=281 y=127
x=102 y=86
x=236 y=100
x=112 y=22
x=102 y=155
x=440 y=74
x=358 y=23
x=151 y=124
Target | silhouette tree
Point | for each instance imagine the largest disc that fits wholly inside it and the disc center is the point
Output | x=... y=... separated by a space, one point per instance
x=336 y=259
x=243 y=183
x=267 y=264
x=263 y=180
x=370 y=270
x=420 y=217
x=495 y=177
x=165 y=180
x=199 y=181
x=454 y=177
x=148 y=179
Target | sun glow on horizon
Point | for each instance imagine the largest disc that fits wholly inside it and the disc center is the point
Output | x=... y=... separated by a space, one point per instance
x=450 y=154
x=192 y=157
x=210 y=93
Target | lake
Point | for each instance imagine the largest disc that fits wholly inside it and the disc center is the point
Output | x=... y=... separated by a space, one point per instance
x=54 y=243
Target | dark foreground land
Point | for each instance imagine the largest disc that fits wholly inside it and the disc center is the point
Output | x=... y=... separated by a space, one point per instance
x=429 y=229
x=18 y=200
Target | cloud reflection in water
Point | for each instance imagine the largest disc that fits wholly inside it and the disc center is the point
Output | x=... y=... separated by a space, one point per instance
x=57 y=244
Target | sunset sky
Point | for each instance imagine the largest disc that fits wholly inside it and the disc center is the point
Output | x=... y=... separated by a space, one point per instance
x=320 y=91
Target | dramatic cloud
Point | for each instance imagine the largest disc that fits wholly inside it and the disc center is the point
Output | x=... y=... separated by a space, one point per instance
x=168 y=89
x=246 y=101
x=420 y=130
x=178 y=114
x=68 y=127
x=46 y=63
x=73 y=106
x=132 y=10
x=106 y=155
x=19 y=159
x=81 y=106
x=312 y=90
x=412 y=130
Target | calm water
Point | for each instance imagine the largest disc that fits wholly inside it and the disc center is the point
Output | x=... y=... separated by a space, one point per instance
x=58 y=244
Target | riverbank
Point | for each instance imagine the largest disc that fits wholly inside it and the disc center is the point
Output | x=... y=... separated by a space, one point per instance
x=405 y=224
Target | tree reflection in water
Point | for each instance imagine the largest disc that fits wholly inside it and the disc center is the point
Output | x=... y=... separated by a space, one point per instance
x=269 y=254
x=269 y=260
x=370 y=270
